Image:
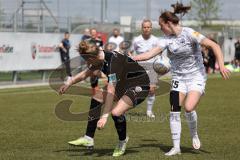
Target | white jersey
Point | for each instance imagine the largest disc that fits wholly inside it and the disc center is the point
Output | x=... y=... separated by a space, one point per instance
x=141 y=45
x=116 y=40
x=184 y=51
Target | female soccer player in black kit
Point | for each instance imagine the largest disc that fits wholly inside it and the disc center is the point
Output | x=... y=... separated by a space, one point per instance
x=128 y=85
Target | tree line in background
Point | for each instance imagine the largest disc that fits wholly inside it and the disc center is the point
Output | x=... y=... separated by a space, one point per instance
x=205 y=10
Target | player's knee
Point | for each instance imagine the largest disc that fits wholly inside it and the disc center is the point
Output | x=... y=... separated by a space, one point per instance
x=174 y=101
x=189 y=108
x=152 y=90
x=116 y=113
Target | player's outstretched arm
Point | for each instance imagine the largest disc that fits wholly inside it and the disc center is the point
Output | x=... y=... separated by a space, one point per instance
x=148 y=55
x=78 y=78
x=219 y=56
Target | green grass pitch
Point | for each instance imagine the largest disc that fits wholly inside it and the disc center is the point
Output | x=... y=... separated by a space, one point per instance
x=29 y=128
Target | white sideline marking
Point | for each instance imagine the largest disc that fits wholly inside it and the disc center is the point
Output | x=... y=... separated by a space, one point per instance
x=26 y=92
x=22 y=85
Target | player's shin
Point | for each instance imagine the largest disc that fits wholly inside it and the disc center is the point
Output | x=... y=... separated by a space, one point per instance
x=192 y=122
x=175 y=119
x=94 y=115
x=121 y=126
x=175 y=126
x=150 y=102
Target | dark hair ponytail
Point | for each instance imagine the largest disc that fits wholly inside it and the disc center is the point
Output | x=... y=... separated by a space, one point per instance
x=171 y=16
x=179 y=8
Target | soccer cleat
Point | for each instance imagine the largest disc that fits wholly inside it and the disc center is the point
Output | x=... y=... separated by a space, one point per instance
x=173 y=151
x=150 y=114
x=82 y=141
x=196 y=142
x=120 y=148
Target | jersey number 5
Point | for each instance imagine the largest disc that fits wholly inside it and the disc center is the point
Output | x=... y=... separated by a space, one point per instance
x=175 y=83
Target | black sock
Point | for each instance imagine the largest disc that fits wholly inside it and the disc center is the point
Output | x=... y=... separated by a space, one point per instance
x=94 y=81
x=93 y=117
x=121 y=126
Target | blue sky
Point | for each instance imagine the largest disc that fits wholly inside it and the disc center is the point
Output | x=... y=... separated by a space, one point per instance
x=115 y=8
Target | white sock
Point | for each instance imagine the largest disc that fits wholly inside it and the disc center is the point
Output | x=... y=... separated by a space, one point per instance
x=192 y=122
x=150 y=102
x=175 y=126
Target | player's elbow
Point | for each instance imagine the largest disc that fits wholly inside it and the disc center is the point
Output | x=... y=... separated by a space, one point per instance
x=213 y=45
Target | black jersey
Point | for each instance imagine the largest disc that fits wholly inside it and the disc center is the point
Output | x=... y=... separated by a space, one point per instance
x=121 y=68
x=120 y=64
x=129 y=77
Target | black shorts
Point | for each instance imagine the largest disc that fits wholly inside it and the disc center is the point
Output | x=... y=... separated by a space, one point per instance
x=137 y=91
x=137 y=94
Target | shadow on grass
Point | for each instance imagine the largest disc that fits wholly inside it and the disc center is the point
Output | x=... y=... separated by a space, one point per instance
x=83 y=151
x=165 y=148
x=74 y=151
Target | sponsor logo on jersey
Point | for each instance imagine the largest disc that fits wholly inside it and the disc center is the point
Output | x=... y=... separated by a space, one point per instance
x=196 y=34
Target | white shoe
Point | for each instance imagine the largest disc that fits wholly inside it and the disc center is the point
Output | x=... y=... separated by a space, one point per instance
x=173 y=151
x=150 y=114
x=196 y=142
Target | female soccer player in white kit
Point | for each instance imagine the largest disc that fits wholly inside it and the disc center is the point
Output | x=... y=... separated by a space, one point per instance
x=143 y=43
x=188 y=74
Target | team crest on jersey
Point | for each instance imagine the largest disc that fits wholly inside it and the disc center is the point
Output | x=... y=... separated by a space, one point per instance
x=196 y=34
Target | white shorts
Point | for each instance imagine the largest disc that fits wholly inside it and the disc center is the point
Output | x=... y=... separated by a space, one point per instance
x=189 y=82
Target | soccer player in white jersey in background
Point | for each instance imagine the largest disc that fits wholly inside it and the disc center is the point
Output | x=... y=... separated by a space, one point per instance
x=187 y=69
x=143 y=43
x=116 y=39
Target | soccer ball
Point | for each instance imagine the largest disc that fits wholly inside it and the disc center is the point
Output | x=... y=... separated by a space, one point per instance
x=162 y=65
